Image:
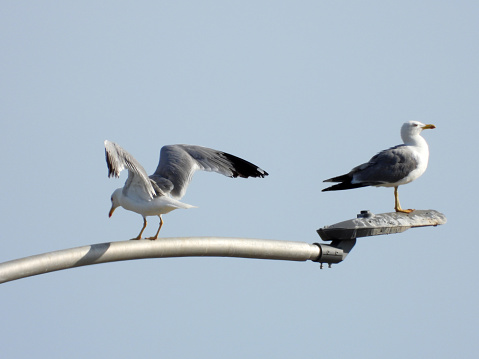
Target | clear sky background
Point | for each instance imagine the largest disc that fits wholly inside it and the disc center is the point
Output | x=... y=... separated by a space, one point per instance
x=306 y=90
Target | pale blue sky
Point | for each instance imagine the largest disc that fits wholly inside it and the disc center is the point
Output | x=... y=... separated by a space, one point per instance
x=304 y=89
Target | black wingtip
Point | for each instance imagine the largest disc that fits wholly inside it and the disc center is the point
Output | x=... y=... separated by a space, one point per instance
x=243 y=168
x=343 y=178
x=108 y=164
x=111 y=170
x=344 y=186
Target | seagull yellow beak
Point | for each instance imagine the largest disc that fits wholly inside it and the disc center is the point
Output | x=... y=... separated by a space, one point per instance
x=428 y=127
x=111 y=211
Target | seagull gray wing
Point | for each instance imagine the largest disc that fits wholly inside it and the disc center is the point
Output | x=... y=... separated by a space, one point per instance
x=178 y=163
x=388 y=166
x=117 y=159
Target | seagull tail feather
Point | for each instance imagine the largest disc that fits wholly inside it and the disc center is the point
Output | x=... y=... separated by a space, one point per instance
x=345 y=185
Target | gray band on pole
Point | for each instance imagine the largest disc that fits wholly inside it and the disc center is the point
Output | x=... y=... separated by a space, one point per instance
x=161 y=248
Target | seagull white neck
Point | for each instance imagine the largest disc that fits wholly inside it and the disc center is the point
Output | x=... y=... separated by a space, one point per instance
x=417 y=141
x=419 y=144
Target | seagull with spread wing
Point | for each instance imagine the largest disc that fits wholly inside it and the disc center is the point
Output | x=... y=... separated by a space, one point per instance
x=392 y=167
x=160 y=193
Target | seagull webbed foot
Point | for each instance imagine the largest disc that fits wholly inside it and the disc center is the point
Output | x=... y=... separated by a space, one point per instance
x=141 y=232
x=397 y=205
x=404 y=210
x=157 y=232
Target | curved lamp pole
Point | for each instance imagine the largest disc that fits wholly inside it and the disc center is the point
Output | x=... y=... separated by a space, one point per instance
x=342 y=236
x=161 y=248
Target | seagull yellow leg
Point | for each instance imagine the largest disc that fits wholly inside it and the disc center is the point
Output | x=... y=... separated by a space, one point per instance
x=141 y=232
x=397 y=205
x=157 y=232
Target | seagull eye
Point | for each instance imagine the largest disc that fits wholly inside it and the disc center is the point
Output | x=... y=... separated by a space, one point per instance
x=414 y=124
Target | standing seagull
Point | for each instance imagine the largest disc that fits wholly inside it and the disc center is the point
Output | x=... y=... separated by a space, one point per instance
x=160 y=193
x=392 y=167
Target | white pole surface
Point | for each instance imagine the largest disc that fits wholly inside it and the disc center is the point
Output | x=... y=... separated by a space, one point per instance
x=160 y=248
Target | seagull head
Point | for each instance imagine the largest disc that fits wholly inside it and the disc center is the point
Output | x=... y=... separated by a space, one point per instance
x=115 y=201
x=413 y=128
